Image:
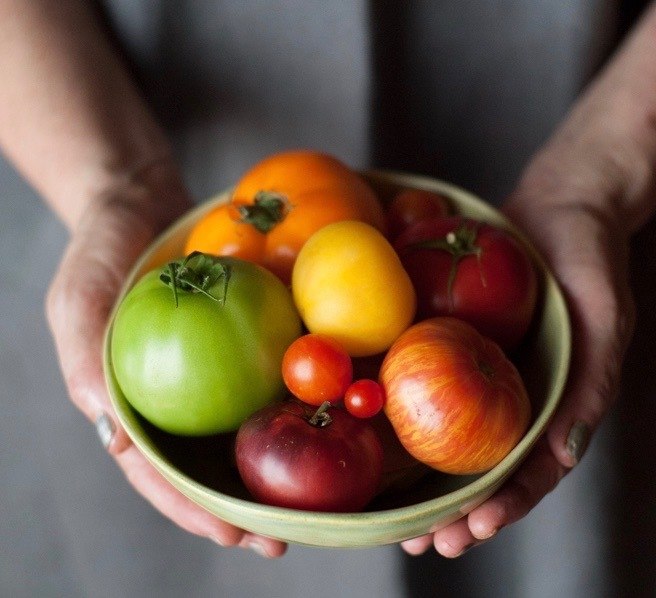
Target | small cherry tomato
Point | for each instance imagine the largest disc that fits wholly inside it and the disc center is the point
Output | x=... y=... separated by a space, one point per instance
x=412 y=205
x=364 y=398
x=316 y=368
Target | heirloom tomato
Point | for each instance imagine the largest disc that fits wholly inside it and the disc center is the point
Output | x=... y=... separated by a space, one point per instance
x=279 y=203
x=348 y=283
x=316 y=368
x=197 y=346
x=471 y=270
x=292 y=455
x=364 y=398
x=456 y=402
x=412 y=205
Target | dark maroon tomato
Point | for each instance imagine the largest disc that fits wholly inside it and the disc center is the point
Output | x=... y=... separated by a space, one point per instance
x=473 y=271
x=289 y=456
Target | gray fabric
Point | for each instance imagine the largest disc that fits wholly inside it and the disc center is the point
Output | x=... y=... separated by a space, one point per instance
x=234 y=81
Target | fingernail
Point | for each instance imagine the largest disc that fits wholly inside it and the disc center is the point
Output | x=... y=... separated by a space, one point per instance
x=465 y=549
x=489 y=535
x=217 y=541
x=258 y=549
x=577 y=440
x=106 y=429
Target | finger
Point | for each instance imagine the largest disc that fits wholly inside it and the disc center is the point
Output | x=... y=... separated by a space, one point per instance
x=185 y=513
x=602 y=315
x=454 y=539
x=171 y=503
x=82 y=294
x=417 y=546
x=592 y=269
x=534 y=479
x=263 y=546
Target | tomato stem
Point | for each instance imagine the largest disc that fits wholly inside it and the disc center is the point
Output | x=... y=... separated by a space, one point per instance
x=267 y=210
x=486 y=369
x=460 y=243
x=321 y=417
x=197 y=273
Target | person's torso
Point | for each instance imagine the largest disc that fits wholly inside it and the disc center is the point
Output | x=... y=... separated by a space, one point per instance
x=461 y=90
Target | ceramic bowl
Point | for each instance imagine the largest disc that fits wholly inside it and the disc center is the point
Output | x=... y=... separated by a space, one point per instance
x=202 y=469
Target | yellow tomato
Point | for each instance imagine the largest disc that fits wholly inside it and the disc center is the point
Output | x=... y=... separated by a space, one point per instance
x=348 y=283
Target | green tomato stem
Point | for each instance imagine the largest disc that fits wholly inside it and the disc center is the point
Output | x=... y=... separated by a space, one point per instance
x=460 y=243
x=197 y=273
x=267 y=210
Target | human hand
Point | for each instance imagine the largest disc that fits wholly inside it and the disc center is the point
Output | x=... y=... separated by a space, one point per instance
x=115 y=228
x=587 y=251
x=579 y=200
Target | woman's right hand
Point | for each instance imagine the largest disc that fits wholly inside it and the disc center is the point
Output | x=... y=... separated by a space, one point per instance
x=114 y=229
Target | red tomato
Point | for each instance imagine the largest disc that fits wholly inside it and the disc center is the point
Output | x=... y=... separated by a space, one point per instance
x=412 y=205
x=316 y=368
x=364 y=398
x=473 y=271
x=288 y=456
x=456 y=402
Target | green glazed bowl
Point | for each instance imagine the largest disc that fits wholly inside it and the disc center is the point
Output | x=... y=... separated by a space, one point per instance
x=202 y=468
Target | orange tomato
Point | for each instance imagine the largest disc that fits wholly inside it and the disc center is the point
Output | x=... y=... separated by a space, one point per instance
x=279 y=203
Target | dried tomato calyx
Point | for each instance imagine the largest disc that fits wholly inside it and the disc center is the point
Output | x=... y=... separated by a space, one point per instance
x=321 y=417
x=197 y=273
x=267 y=210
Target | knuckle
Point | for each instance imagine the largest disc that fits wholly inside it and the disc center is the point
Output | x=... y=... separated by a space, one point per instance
x=541 y=476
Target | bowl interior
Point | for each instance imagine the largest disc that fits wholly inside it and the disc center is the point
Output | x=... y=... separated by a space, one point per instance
x=203 y=470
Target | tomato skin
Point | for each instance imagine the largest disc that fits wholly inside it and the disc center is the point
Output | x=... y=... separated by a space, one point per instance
x=495 y=289
x=456 y=402
x=202 y=367
x=285 y=461
x=342 y=283
x=315 y=189
x=364 y=398
x=316 y=368
x=410 y=205
x=220 y=232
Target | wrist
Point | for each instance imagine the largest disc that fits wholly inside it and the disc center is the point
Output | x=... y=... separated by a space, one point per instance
x=152 y=192
x=596 y=161
x=602 y=157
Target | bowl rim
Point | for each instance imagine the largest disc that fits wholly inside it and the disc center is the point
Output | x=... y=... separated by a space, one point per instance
x=455 y=501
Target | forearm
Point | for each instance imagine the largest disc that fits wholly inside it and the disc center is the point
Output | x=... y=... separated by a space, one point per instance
x=604 y=153
x=71 y=120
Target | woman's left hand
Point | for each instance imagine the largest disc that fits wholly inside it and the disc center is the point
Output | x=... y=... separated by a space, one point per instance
x=579 y=200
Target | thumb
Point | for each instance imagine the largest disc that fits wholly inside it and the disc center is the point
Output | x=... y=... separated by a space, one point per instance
x=588 y=254
x=107 y=240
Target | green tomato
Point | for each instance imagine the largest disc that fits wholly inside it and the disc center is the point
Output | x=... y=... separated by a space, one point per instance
x=197 y=346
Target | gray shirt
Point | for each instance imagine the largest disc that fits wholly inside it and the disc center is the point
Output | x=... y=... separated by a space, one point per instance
x=462 y=90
